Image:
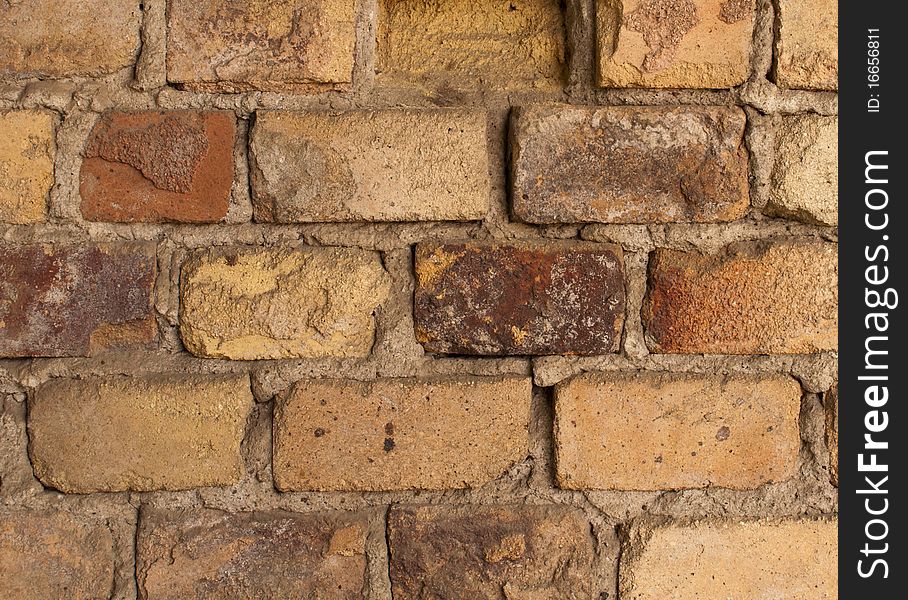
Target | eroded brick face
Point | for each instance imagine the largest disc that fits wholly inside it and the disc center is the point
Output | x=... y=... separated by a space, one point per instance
x=831 y=404
x=27 y=152
x=807 y=44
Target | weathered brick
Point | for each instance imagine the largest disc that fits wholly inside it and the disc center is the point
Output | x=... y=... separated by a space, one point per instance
x=805 y=175
x=139 y=433
x=250 y=304
x=831 y=403
x=67 y=300
x=27 y=153
x=490 y=552
x=753 y=559
x=211 y=554
x=660 y=431
x=265 y=45
x=40 y=39
x=807 y=44
x=51 y=554
x=157 y=166
x=462 y=44
x=629 y=164
x=504 y=298
x=395 y=434
x=758 y=297
x=674 y=43
x=369 y=166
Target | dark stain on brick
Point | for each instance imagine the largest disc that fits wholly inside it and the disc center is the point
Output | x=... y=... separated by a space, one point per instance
x=389 y=429
x=319 y=432
x=389 y=444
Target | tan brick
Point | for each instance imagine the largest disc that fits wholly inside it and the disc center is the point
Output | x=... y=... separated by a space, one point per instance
x=139 y=433
x=219 y=45
x=463 y=44
x=369 y=166
x=674 y=43
x=628 y=164
x=39 y=38
x=660 y=431
x=754 y=559
x=49 y=554
x=757 y=297
x=831 y=403
x=246 y=304
x=212 y=554
x=807 y=44
x=27 y=151
x=394 y=434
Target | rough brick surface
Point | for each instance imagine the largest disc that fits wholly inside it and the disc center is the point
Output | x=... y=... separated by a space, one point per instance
x=657 y=431
x=674 y=43
x=26 y=165
x=50 y=554
x=211 y=554
x=156 y=166
x=458 y=44
x=629 y=164
x=807 y=44
x=268 y=303
x=63 y=300
x=831 y=403
x=805 y=175
x=761 y=297
x=139 y=433
x=369 y=166
x=489 y=552
x=267 y=44
x=756 y=559
x=519 y=298
x=38 y=38
x=400 y=433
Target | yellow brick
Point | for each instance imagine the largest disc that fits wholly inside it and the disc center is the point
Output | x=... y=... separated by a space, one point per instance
x=27 y=153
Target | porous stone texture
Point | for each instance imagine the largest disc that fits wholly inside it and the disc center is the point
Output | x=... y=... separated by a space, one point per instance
x=807 y=44
x=521 y=297
x=805 y=174
x=219 y=45
x=674 y=43
x=248 y=304
x=369 y=166
x=489 y=552
x=462 y=44
x=628 y=164
x=754 y=297
x=27 y=151
x=395 y=434
x=761 y=560
x=68 y=300
x=210 y=554
x=155 y=432
x=158 y=166
x=42 y=39
x=831 y=403
x=657 y=431
x=54 y=554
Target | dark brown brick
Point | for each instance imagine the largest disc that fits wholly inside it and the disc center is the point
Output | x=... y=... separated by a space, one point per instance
x=519 y=297
x=67 y=300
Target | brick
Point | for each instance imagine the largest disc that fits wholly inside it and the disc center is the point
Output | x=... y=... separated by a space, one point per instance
x=216 y=45
x=212 y=554
x=807 y=44
x=660 y=431
x=281 y=303
x=674 y=43
x=27 y=151
x=53 y=554
x=461 y=44
x=522 y=297
x=751 y=559
x=38 y=39
x=394 y=434
x=805 y=175
x=68 y=300
x=629 y=164
x=759 y=297
x=159 y=166
x=139 y=433
x=369 y=166
x=831 y=404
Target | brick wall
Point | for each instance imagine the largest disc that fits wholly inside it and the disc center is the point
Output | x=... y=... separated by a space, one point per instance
x=394 y=298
